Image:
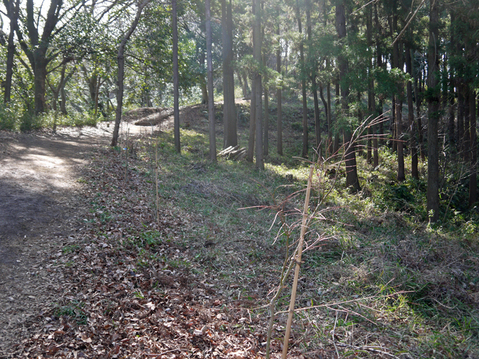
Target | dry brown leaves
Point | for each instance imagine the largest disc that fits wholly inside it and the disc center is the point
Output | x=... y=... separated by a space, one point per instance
x=125 y=295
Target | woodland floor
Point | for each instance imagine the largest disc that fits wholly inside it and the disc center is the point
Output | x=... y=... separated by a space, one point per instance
x=67 y=291
x=41 y=203
x=100 y=260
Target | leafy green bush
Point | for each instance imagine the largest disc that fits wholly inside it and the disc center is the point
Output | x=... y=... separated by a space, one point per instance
x=8 y=118
x=29 y=122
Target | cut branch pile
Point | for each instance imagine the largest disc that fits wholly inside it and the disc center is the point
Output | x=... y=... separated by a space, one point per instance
x=233 y=153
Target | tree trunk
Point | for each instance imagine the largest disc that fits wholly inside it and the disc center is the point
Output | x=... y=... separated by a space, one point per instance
x=12 y=12
x=304 y=152
x=473 y=156
x=245 y=82
x=467 y=124
x=36 y=48
x=121 y=70
x=279 y=109
x=258 y=84
x=266 y=121
x=63 y=103
x=252 y=124
x=420 y=139
x=400 y=144
x=411 y=122
x=211 y=100
x=229 y=110
x=460 y=116
x=433 y=114
x=352 y=180
x=176 y=79
x=314 y=85
x=40 y=78
x=451 y=93
x=202 y=60
x=371 y=99
x=329 y=118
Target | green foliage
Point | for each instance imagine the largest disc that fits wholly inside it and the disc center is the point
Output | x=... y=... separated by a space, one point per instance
x=74 y=311
x=29 y=121
x=8 y=117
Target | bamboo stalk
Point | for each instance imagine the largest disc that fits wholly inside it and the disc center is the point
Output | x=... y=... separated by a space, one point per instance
x=297 y=259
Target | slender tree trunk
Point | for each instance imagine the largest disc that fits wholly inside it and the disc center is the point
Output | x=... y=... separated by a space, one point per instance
x=314 y=85
x=279 y=111
x=266 y=121
x=467 y=124
x=473 y=156
x=379 y=64
x=229 y=109
x=325 y=105
x=245 y=81
x=252 y=124
x=329 y=119
x=317 y=119
x=176 y=79
x=352 y=180
x=201 y=55
x=433 y=114
x=395 y=98
x=258 y=84
x=63 y=103
x=371 y=99
x=451 y=92
x=121 y=70
x=304 y=152
x=411 y=121
x=244 y=90
x=211 y=100
x=400 y=144
x=460 y=117
x=12 y=11
x=420 y=139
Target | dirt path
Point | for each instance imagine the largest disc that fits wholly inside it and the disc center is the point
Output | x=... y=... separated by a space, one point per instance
x=40 y=206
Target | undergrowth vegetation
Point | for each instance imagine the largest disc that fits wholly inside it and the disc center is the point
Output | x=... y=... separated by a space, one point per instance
x=15 y=118
x=381 y=281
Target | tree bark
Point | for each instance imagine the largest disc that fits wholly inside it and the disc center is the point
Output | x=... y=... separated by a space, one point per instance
x=211 y=100
x=229 y=110
x=411 y=121
x=252 y=124
x=371 y=99
x=473 y=156
x=433 y=114
x=304 y=152
x=401 y=176
x=279 y=90
x=314 y=85
x=13 y=9
x=266 y=121
x=176 y=80
x=258 y=84
x=121 y=70
x=352 y=180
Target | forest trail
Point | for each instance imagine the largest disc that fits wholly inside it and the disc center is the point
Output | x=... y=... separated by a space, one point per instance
x=40 y=182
